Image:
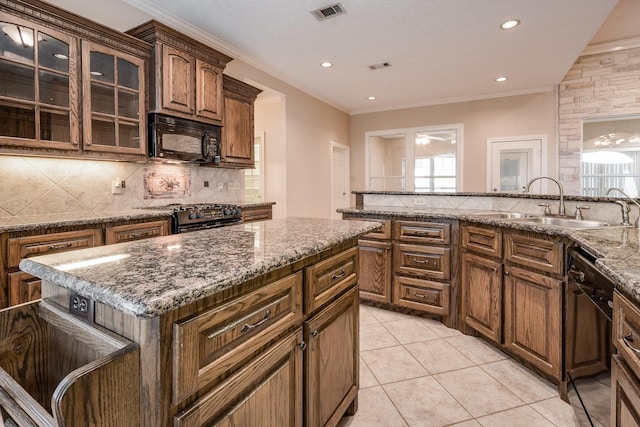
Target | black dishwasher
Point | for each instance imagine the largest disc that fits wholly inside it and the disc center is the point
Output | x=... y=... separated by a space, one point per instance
x=588 y=348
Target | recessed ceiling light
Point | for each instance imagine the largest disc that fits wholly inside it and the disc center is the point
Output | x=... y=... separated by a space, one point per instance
x=371 y=98
x=326 y=64
x=511 y=23
x=501 y=79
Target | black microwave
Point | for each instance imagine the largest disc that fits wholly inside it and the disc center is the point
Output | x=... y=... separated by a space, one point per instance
x=176 y=139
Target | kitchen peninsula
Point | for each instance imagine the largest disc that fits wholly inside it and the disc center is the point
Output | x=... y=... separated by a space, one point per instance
x=227 y=322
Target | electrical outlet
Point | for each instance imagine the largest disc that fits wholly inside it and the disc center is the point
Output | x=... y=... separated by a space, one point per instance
x=233 y=185
x=220 y=186
x=206 y=184
x=117 y=186
x=419 y=201
x=81 y=307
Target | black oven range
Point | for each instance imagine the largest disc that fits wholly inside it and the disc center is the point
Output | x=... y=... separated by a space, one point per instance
x=193 y=217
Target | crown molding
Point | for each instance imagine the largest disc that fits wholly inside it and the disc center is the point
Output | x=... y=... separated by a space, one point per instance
x=613 y=46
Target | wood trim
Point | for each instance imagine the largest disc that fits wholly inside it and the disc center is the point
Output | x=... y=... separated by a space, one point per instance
x=53 y=17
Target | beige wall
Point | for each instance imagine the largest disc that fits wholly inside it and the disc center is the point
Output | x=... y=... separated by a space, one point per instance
x=311 y=125
x=492 y=118
x=270 y=119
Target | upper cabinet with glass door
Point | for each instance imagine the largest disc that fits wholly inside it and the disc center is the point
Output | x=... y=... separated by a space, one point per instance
x=114 y=101
x=38 y=96
x=52 y=106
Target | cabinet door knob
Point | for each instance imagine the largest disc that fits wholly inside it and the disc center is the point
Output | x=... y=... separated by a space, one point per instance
x=303 y=345
x=506 y=273
x=314 y=334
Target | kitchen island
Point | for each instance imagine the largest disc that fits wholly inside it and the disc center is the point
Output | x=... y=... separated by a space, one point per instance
x=227 y=322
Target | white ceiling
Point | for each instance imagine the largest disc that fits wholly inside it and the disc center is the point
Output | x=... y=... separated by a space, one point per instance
x=440 y=50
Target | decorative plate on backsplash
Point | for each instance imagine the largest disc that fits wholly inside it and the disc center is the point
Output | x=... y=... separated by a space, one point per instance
x=160 y=184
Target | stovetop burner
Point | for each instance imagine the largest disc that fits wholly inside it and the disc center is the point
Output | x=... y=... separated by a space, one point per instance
x=197 y=216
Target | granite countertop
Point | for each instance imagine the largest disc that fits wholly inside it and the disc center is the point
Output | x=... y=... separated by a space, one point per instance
x=46 y=221
x=147 y=278
x=616 y=247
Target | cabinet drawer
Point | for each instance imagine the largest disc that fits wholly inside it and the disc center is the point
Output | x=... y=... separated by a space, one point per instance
x=487 y=241
x=276 y=372
x=28 y=246
x=424 y=261
x=23 y=287
x=218 y=340
x=626 y=331
x=328 y=278
x=423 y=295
x=625 y=399
x=250 y=215
x=545 y=255
x=383 y=233
x=422 y=232
x=130 y=232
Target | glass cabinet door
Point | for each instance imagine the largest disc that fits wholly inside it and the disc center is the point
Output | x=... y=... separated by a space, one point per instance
x=114 y=101
x=38 y=96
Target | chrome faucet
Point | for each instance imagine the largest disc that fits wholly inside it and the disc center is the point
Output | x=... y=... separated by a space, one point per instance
x=625 y=207
x=561 y=208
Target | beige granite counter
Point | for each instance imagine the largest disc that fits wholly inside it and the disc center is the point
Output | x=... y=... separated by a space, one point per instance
x=147 y=278
x=616 y=247
x=47 y=221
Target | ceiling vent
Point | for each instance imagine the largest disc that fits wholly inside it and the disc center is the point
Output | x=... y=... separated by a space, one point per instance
x=328 y=12
x=380 y=66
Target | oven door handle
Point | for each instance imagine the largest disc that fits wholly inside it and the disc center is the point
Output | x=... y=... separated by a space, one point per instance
x=627 y=339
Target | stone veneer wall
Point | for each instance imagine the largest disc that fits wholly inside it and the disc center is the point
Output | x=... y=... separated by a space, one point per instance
x=36 y=186
x=597 y=86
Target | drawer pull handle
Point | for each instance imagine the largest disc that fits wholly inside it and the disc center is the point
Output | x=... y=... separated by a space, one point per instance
x=422 y=261
x=419 y=295
x=339 y=275
x=60 y=246
x=629 y=339
x=247 y=327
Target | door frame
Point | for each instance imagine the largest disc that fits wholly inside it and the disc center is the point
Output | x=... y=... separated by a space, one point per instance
x=543 y=138
x=347 y=173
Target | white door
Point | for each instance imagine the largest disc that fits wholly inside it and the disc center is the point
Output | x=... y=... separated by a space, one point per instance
x=512 y=162
x=339 y=178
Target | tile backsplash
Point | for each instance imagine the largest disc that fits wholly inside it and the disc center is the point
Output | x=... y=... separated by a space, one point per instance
x=36 y=186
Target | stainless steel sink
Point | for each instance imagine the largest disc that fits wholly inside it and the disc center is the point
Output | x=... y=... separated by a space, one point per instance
x=505 y=215
x=563 y=222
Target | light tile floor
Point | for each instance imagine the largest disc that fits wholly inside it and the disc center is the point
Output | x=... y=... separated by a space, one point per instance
x=417 y=372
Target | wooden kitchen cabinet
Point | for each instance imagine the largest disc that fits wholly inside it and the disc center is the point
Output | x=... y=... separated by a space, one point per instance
x=482 y=295
x=40 y=97
x=533 y=319
x=625 y=365
x=186 y=77
x=40 y=384
x=23 y=287
x=331 y=362
x=237 y=132
x=113 y=101
x=423 y=267
x=131 y=232
x=217 y=341
x=256 y=213
x=625 y=395
x=60 y=94
x=512 y=293
x=375 y=270
x=246 y=398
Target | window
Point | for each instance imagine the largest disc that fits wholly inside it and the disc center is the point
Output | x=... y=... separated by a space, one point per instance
x=254 y=178
x=610 y=156
x=422 y=159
